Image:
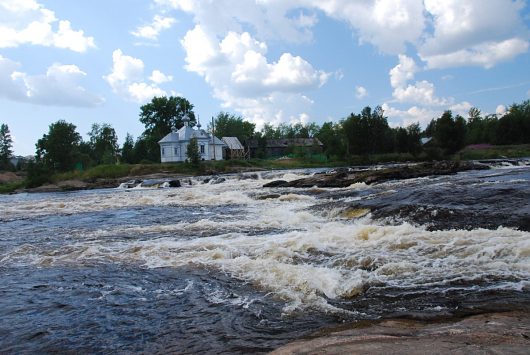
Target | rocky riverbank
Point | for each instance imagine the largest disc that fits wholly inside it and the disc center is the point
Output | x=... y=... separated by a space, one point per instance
x=345 y=177
x=495 y=333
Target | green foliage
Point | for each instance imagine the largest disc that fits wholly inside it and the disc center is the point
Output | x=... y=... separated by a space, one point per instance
x=38 y=174
x=449 y=133
x=332 y=136
x=6 y=145
x=229 y=125
x=192 y=152
x=10 y=187
x=103 y=144
x=59 y=149
x=160 y=117
x=127 y=150
x=368 y=133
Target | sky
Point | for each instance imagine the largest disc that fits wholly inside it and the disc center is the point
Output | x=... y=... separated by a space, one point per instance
x=270 y=61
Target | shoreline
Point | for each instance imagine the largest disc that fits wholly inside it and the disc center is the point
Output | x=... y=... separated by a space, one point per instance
x=496 y=332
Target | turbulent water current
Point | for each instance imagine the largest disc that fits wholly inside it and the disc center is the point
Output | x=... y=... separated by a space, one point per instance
x=234 y=267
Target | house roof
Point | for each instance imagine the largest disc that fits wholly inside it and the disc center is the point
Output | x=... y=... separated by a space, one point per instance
x=286 y=142
x=233 y=143
x=186 y=133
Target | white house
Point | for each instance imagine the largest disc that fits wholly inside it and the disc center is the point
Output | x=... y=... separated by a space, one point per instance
x=173 y=146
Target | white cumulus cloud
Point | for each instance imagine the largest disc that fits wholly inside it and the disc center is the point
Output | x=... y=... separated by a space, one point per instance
x=474 y=32
x=360 y=92
x=242 y=77
x=127 y=79
x=59 y=86
x=152 y=30
x=28 y=22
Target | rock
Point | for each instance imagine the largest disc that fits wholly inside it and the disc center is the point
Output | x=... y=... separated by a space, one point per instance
x=277 y=183
x=9 y=177
x=218 y=180
x=70 y=185
x=268 y=197
x=174 y=183
x=346 y=177
x=495 y=333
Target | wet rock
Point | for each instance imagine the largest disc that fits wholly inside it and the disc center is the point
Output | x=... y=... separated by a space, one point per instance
x=345 y=178
x=218 y=180
x=268 y=197
x=496 y=333
x=174 y=183
x=277 y=183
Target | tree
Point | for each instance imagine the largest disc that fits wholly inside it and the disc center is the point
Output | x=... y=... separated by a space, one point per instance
x=229 y=125
x=103 y=143
x=127 y=150
x=6 y=145
x=449 y=133
x=58 y=150
x=192 y=152
x=160 y=117
x=331 y=135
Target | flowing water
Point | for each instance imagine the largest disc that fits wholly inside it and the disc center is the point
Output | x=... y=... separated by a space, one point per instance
x=234 y=267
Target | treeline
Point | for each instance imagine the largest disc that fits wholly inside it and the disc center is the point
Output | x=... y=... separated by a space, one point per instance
x=359 y=134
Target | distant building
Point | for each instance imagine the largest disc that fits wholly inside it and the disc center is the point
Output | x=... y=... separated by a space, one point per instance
x=284 y=146
x=173 y=147
x=234 y=149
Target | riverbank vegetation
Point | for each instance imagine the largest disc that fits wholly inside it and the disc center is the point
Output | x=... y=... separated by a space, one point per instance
x=358 y=139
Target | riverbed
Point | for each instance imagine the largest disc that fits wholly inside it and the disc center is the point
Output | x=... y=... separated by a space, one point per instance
x=228 y=266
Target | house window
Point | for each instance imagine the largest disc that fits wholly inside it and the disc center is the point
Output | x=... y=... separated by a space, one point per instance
x=163 y=151
x=202 y=148
x=176 y=150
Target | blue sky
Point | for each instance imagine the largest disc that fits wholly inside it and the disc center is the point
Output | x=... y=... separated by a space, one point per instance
x=269 y=60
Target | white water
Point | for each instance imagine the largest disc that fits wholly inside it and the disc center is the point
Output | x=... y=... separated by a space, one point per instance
x=303 y=257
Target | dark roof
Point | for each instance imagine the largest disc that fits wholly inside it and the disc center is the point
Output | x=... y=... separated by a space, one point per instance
x=287 y=142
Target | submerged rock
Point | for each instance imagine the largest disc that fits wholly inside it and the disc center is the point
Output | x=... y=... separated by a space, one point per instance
x=345 y=178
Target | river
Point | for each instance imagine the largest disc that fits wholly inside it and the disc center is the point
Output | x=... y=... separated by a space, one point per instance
x=234 y=267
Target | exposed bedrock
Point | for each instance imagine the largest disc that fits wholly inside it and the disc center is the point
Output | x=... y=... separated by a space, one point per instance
x=345 y=178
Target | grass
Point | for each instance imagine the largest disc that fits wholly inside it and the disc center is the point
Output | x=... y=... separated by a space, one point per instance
x=12 y=186
x=495 y=152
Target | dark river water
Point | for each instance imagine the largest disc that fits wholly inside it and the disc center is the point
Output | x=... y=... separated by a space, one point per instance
x=224 y=268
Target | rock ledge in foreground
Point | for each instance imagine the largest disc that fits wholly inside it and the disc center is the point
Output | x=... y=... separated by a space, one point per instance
x=496 y=333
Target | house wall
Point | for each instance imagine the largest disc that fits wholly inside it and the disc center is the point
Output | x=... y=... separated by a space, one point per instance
x=218 y=152
x=167 y=152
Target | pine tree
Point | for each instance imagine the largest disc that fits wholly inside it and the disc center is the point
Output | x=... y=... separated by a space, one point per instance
x=6 y=145
x=192 y=152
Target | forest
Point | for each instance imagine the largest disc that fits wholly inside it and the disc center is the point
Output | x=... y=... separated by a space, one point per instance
x=364 y=134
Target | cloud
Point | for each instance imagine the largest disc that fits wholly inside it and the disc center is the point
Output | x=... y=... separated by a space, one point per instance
x=403 y=72
x=127 y=79
x=387 y=24
x=242 y=77
x=360 y=92
x=58 y=87
x=409 y=116
x=501 y=110
x=474 y=32
x=27 y=22
x=486 y=55
x=152 y=30
x=158 y=77
x=421 y=94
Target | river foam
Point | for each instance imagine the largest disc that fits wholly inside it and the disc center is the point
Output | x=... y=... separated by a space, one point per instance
x=279 y=245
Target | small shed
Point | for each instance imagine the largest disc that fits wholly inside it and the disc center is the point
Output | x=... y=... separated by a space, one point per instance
x=234 y=149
